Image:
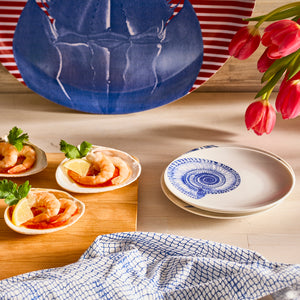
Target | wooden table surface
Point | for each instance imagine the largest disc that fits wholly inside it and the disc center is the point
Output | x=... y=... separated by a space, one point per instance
x=156 y=137
x=105 y=213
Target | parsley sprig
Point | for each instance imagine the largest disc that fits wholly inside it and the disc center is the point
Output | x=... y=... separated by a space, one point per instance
x=16 y=138
x=72 y=151
x=12 y=193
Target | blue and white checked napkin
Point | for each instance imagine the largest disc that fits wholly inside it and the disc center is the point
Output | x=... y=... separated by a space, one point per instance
x=140 y=265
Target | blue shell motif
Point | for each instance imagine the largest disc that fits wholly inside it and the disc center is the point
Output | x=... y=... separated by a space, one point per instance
x=197 y=177
x=109 y=56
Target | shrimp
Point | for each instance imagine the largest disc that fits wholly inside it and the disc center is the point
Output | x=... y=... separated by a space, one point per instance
x=102 y=164
x=124 y=170
x=30 y=156
x=45 y=202
x=69 y=207
x=10 y=155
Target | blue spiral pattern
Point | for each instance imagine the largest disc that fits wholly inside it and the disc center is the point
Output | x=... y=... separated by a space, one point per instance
x=196 y=177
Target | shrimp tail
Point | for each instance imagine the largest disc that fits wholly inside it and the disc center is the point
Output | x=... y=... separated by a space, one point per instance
x=16 y=169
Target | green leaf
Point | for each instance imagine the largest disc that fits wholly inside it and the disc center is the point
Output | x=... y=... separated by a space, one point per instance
x=11 y=193
x=294 y=66
x=271 y=84
x=24 y=189
x=285 y=14
x=16 y=138
x=72 y=151
x=277 y=66
x=85 y=148
x=69 y=150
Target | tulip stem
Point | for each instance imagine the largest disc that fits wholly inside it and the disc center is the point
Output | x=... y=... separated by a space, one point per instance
x=266 y=95
x=274 y=12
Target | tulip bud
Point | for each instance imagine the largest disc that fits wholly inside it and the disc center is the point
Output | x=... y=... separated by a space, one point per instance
x=288 y=98
x=282 y=38
x=244 y=42
x=264 y=62
x=261 y=117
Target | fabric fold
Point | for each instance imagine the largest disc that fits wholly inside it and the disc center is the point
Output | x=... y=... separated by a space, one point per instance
x=143 y=265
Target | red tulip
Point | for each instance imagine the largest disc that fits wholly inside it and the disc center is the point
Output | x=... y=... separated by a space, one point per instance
x=282 y=38
x=261 y=117
x=264 y=62
x=244 y=42
x=288 y=99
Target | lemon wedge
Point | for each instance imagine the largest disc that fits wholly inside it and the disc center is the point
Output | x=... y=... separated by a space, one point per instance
x=22 y=212
x=77 y=165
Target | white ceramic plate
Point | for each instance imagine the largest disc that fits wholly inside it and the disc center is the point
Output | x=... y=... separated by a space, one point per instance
x=68 y=184
x=230 y=179
x=29 y=231
x=39 y=165
x=201 y=212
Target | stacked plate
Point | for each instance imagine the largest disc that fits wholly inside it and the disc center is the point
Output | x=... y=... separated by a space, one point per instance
x=227 y=181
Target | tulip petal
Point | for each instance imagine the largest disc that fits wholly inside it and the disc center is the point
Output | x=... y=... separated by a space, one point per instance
x=244 y=42
x=250 y=47
x=266 y=39
x=264 y=62
x=280 y=25
x=270 y=119
x=292 y=110
x=290 y=43
x=253 y=114
x=260 y=117
x=282 y=38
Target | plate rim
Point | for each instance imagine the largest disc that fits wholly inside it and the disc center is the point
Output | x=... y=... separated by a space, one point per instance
x=40 y=164
x=275 y=157
x=202 y=212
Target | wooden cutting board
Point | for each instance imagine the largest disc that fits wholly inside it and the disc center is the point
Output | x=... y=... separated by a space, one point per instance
x=108 y=212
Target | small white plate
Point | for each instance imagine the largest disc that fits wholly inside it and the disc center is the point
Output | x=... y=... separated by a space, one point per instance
x=39 y=165
x=201 y=212
x=230 y=179
x=68 y=184
x=29 y=231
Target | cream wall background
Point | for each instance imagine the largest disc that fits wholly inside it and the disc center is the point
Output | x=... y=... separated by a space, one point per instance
x=235 y=75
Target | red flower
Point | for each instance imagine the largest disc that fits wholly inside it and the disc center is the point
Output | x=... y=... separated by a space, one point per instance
x=261 y=117
x=244 y=42
x=282 y=38
x=288 y=99
x=264 y=62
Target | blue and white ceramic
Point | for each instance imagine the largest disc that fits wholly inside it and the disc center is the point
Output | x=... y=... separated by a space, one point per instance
x=117 y=56
x=202 y=212
x=108 y=56
x=230 y=179
x=196 y=177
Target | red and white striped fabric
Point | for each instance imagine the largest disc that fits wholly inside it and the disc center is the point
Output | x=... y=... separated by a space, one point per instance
x=219 y=20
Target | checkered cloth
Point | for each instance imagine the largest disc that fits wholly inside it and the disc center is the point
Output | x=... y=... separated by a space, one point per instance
x=141 y=265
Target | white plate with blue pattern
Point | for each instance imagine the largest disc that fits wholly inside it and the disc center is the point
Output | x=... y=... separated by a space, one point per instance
x=229 y=179
x=201 y=212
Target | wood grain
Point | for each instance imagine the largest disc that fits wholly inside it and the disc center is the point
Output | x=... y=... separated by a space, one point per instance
x=106 y=213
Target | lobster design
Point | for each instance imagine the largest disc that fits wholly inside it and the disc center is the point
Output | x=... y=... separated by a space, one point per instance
x=109 y=56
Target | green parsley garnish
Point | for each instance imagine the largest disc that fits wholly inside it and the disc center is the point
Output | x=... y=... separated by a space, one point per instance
x=72 y=151
x=12 y=193
x=16 y=138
